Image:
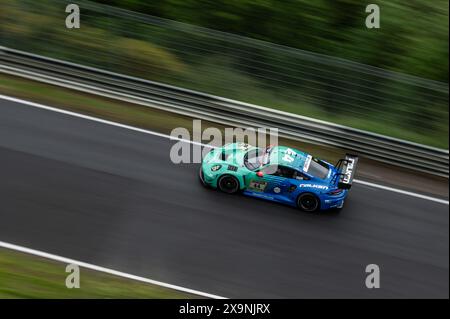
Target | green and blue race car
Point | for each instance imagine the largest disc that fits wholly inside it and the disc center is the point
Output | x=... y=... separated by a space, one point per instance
x=279 y=174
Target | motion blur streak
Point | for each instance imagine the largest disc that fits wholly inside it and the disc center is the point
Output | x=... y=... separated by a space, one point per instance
x=49 y=108
x=111 y=197
x=328 y=88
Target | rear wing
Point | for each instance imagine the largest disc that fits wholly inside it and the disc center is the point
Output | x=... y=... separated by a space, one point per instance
x=347 y=168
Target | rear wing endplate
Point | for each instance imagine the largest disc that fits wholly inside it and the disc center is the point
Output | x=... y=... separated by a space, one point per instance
x=348 y=171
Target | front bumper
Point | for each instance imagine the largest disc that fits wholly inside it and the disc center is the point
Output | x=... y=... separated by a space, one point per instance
x=205 y=179
x=200 y=176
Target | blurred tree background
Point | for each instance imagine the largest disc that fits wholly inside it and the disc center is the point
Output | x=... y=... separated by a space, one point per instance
x=413 y=37
x=314 y=58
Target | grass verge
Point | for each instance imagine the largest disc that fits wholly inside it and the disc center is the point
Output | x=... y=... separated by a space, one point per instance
x=27 y=276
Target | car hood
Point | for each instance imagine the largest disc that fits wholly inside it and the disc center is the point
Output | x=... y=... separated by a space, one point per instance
x=230 y=153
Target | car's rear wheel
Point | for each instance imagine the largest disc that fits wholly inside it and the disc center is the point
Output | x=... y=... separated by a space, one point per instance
x=308 y=202
x=228 y=184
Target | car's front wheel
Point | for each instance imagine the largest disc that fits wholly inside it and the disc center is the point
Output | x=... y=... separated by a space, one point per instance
x=308 y=202
x=228 y=184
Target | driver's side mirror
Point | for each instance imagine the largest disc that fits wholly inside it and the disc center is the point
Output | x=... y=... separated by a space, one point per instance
x=260 y=174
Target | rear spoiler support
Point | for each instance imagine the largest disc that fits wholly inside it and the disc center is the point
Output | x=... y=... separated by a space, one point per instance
x=347 y=169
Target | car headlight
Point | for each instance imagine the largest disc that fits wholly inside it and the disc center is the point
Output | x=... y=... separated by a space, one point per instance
x=216 y=168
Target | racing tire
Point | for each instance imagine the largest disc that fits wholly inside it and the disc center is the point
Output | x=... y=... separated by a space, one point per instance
x=228 y=184
x=308 y=202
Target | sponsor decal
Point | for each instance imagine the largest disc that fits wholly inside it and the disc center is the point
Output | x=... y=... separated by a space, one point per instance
x=329 y=173
x=348 y=171
x=307 y=163
x=277 y=190
x=314 y=186
x=289 y=155
x=257 y=186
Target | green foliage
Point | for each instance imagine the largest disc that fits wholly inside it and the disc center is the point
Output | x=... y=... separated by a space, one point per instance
x=25 y=276
x=92 y=44
x=413 y=39
x=146 y=58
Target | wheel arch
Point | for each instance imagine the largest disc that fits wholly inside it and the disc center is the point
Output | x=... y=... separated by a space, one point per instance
x=238 y=177
x=306 y=192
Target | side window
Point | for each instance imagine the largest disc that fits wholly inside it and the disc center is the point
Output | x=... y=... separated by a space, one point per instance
x=270 y=170
x=285 y=172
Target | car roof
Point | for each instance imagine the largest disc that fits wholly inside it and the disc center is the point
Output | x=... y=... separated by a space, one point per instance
x=289 y=157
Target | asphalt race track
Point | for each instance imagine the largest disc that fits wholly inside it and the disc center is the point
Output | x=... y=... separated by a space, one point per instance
x=112 y=197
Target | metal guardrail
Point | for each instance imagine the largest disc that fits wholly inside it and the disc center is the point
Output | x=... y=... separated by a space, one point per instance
x=382 y=148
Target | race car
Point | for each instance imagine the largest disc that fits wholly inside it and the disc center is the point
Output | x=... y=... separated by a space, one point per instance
x=280 y=174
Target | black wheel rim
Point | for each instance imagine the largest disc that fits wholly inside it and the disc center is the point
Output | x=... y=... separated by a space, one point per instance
x=308 y=203
x=228 y=185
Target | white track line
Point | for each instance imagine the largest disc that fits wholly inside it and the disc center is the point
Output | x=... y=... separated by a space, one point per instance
x=105 y=270
x=91 y=118
x=395 y=190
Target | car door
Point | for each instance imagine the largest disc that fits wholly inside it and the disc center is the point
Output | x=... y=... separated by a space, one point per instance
x=270 y=182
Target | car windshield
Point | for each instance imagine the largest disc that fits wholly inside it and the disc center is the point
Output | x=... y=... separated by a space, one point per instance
x=318 y=169
x=254 y=159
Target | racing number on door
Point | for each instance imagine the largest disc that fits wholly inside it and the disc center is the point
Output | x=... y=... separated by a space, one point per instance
x=258 y=186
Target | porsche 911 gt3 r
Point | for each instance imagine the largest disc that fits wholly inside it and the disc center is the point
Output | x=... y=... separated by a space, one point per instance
x=279 y=174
